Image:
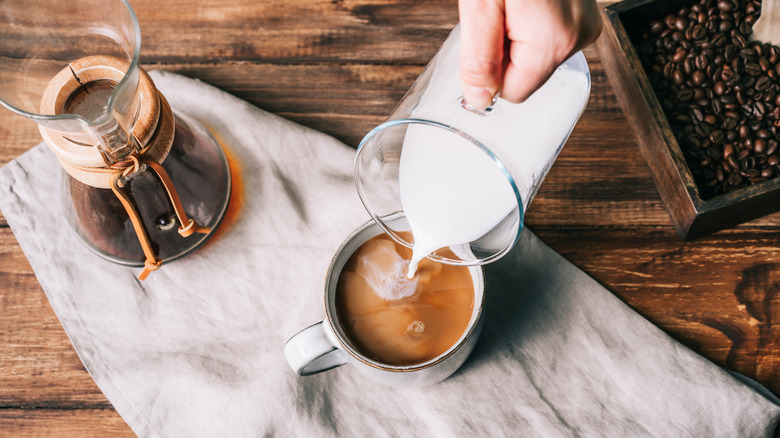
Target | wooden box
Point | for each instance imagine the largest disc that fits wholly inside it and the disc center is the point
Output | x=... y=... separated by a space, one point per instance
x=692 y=216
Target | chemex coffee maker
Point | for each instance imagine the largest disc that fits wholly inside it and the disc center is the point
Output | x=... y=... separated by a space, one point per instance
x=143 y=184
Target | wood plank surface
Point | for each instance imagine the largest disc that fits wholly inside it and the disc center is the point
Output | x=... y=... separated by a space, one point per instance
x=340 y=67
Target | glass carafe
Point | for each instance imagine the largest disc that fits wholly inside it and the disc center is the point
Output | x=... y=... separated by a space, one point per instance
x=143 y=184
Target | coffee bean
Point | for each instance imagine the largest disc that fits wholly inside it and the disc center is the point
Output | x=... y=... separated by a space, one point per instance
x=763 y=83
x=719 y=88
x=770 y=97
x=733 y=162
x=728 y=150
x=718 y=40
x=668 y=70
x=748 y=54
x=679 y=55
x=727 y=99
x=725 y=5
x=669 y=20
x=717 y=136
x=740 y=97
x=760 y=146
x=711 y=26
x=765 y=65
x=694 y=141
x=703 y=130
x=759 y=110
x=729 y=123
x=698 y=77
x=735 y=179
x=750 y=173
x=687 y=66
x=771 y=147
x=774 y=53
x=752 y=69
x=657 y=27
x=716 y=73
x=745 y=28
x=696 y=115
x=717 y=107
x=739 y=41
x=685 y=95
x=680 y=23
x=678 y=77
x=698 y=32
x=701 y=62
x=730 y=52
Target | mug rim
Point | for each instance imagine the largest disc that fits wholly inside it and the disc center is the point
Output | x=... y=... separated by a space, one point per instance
x=477 y=274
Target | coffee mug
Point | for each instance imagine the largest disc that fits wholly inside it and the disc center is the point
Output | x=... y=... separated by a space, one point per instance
x=326 y=344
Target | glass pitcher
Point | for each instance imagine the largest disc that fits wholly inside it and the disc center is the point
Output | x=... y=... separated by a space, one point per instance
x=453 y=183
x=143 y=184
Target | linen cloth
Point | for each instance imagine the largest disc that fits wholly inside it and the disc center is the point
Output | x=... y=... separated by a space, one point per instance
x=197 y=348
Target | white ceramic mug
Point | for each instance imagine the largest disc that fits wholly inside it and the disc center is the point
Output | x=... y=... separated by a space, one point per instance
x=325 y=345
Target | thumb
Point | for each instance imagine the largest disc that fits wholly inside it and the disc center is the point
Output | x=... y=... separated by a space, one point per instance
x=481 y=50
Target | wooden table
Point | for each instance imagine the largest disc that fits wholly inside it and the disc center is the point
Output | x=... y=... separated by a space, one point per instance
x=340 y=67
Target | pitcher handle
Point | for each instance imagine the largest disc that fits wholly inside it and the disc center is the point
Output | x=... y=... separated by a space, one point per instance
x=311 y=351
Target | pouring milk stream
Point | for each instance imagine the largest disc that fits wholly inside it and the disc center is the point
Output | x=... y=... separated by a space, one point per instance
x=461 y=174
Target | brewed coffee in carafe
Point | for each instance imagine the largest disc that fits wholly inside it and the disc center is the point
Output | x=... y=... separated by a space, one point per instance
x=143 y=184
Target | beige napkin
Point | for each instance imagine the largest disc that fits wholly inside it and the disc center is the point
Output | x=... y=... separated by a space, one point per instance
x=196 y=350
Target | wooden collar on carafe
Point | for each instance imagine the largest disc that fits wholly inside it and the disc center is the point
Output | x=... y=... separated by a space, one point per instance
x=153 y=129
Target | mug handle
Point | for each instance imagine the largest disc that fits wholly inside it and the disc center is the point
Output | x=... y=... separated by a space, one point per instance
x=311 y=351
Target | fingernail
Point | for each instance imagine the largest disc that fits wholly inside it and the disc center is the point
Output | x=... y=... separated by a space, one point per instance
x=478 y=97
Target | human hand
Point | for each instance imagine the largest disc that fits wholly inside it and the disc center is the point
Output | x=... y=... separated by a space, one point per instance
x=514 y=46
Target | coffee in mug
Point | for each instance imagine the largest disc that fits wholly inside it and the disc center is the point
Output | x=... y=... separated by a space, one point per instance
x=396 y=320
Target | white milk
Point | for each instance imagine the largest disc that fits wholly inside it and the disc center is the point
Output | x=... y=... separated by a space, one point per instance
x=455 y=201
x=452 y=192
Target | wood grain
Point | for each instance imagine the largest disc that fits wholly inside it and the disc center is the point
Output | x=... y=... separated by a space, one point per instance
x=35 y=423
x=340 y=67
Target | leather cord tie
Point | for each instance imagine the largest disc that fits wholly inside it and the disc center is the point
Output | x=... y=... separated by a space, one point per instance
x=188 y=226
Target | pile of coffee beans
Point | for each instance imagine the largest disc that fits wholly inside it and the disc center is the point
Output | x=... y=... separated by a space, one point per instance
x=719 y=91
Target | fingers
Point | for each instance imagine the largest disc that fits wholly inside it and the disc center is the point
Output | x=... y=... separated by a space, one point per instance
x=482 y=50
x=527 y=70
